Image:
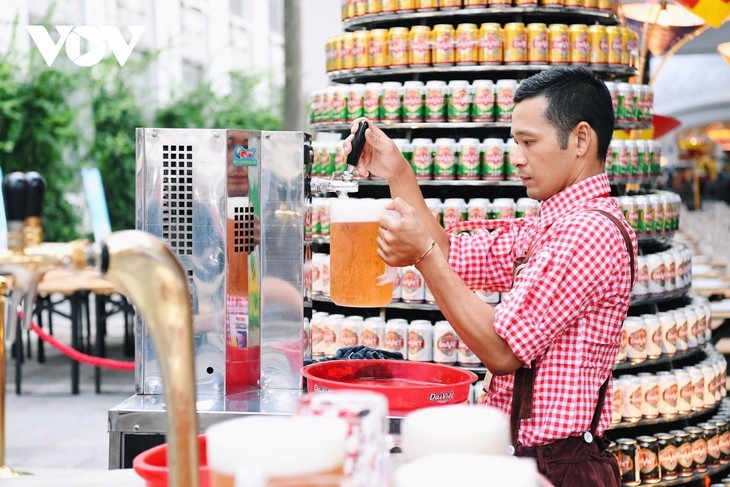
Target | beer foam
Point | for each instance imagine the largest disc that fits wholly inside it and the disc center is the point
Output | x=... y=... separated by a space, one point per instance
x=455 y=428
x=467 y=469
x=357 y=209
x=280 y=446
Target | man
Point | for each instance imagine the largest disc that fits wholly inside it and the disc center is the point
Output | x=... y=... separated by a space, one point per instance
x=568 y=272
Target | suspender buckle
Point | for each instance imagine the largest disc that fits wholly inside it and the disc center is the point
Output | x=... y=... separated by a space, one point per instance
x=510 y=450
x=588 y=437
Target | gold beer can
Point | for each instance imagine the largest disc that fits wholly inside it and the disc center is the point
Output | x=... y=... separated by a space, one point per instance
x=348 y=9
x=515 y=43
x=330 y=55
x=427 y=4
x=590 y=4
x=607 y=5
x=389 y=6
x=632 y=47
x=475 y=3
x=551 y=3
x=499 y=3
x=406 y=5
x=466 y=44
x=525 y=3
x=573 y=3
x=360 y=49
x=537 y=43
x=419 y=46
x=378 y=48
x=398 y=46
x=597 y=45
x=615 y=45
x=558 y=44
x=625 y=39
x=578 y=35
x=490 y=43
x=443 y=44
x=361 y=7
x=448 y=4
x=375 y=6
x=346 y=50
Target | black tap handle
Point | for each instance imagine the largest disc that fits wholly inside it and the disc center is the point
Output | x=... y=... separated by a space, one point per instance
x=15 y=194
x=36 y=193
x=358 y=143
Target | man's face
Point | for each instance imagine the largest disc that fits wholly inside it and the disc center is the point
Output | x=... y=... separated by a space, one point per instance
x=544 y=168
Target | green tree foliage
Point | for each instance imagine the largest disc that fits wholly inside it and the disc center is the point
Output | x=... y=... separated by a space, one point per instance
x=38 y=133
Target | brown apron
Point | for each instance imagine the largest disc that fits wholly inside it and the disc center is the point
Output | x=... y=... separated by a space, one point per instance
x=576 y=460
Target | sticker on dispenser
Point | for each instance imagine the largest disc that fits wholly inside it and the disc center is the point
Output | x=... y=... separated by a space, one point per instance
x=244 y=156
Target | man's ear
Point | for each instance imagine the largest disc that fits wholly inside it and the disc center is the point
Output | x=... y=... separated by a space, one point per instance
x=583 y=136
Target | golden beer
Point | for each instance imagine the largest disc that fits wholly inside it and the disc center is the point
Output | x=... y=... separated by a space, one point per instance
x=354 y=263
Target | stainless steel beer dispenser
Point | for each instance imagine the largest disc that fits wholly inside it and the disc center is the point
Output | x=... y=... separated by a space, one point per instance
x=232 y=205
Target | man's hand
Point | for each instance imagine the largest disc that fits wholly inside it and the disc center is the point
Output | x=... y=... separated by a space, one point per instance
x=380 y=155
x=401 y=241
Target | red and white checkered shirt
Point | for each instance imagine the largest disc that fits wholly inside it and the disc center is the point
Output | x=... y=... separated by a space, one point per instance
x=565 y=308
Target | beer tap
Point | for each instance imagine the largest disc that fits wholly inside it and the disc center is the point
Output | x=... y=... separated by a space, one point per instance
x=32 y=229
x=142 y=267
x=345 y=184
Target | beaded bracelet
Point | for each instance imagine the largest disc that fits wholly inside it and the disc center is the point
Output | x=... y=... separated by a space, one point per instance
x=430 y=247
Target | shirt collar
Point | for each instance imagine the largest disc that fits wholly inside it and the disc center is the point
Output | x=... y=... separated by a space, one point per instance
x=573 y=197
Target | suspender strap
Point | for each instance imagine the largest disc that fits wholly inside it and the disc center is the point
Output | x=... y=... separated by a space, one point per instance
x=599 y=406
x=627 y=239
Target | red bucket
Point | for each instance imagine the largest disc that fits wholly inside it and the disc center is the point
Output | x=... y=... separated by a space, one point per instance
x=151 y=465
x=407 y=385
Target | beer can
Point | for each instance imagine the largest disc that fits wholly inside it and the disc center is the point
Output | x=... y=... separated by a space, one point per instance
x=398 y=46
x=331 y=335
x=619 y=158
x=347 y=46
x=708 y=395
x=475 y=3
x=466 y=52
x=615 y=45
x=436 y=207
x=347 y=9
x=573 y=3
x=326 y=275
x=316 y=326
x=449 y=4
x=361 y=7
x=443 y=45
x=655 y=265
x=702 y=323
x=644 y=214
x=643 y=164
x=641 y=284
x=458 y=101
x=632 y=47
x=435 y=101
x=515 y=43
x=468 y=163
x=422 y=158
x=505 y=99
x=648 y=454
x=598 y=45
x=724 y=432
x=375 y=6
x=490 y=43
x=692 y=327
x=590 y=4
x=406 y=5
x=389 y=6
x=465 y=357
x=637 y=337
x=525 y=3
x=326 y=104
x=392 y=105
x=552 y=3
x=627 y=461
x=378 y=48
x=650 y=390
x=510 y=167
x=623 y=346
x=351 y=330
x=482 y=110
x=413 y=101
x=633 y=398
x=330 y=54
x=493 y=159
x=632 y=159
x=503 y=209
x=339 y=103
x=578 y=35
x=455 y=211
x=478 y=209
x=669 y=332
x=682 y=329
x=419 y=52
x=372 y=101
x=397 y=287
x=396 y=336
x=626 y=36
x=608 y=5
x=558 y=44
x=373 y=332
x=670 y=272
x=684 y=391
x=360 y=49
x=684 y=453
x=537 y=43
x=699 y=448
x=446 y=343
x=698 y=388
x=614 y=95
x=444 y=158
x=355 y=101
x=618 y=399
x=413 y=285
x=527 y=208
x=654 y=336
x=628 y=207
x=420 y=341
x=712 y=437
x=426 y=5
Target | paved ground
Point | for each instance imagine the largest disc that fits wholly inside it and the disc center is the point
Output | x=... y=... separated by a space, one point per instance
x=46 y=426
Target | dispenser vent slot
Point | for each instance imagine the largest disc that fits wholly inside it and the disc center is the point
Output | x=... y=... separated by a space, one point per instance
x=243 y=229
x=177 y=197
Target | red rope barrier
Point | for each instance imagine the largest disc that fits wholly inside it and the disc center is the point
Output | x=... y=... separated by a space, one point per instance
x=80 y=357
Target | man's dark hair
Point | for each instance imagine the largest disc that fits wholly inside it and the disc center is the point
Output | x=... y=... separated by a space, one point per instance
x=574 y=94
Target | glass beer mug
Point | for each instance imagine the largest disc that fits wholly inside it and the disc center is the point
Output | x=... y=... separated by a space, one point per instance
x=358 y=277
